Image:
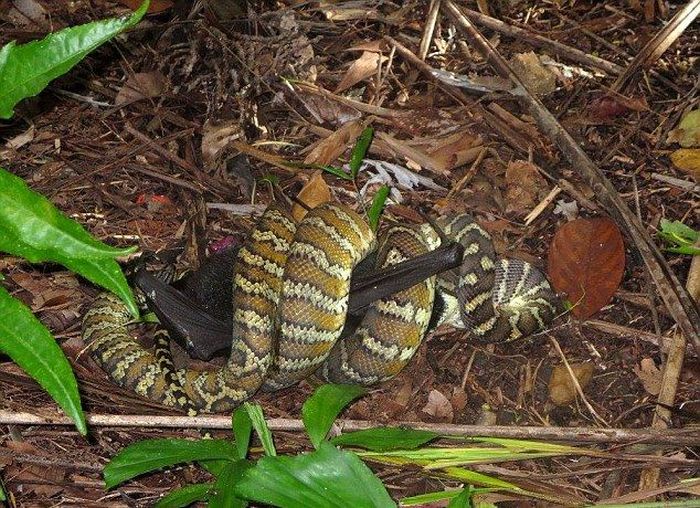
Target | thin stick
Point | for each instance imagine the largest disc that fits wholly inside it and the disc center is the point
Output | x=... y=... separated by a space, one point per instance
x=542 y=42
x=674 y=295
x=429 y=29
x=653 y=49
x=676 y=437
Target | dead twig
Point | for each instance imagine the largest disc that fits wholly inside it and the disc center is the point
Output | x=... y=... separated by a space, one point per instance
x=653 y=49
x=538 y=41
x=678 y=437
x=674 y=295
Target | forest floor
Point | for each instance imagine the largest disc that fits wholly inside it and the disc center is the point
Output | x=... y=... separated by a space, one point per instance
x=164 y=137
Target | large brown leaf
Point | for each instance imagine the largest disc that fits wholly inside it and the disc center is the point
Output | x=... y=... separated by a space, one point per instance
x=586 y=262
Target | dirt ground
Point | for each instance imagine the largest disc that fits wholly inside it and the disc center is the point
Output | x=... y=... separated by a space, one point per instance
x=147 y=139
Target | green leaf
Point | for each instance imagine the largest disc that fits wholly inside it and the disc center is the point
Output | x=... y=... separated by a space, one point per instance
x=360 y=150
x=680 y=237
x=463 y=499
x=257 y=418
x=337 y=172
x=686 y=249
x=428 y=498
x=185 y=496
x=323 y=407
x=242 y=429
x=375 y=211
x=327 y=477
x=383 y=439
x=225 y=496
x=26 y=69
x=152 y=454
x=30 y=345
x=31 y=227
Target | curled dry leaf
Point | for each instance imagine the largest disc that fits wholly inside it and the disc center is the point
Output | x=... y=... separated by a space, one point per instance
x=586 y=262
x=216 y=135
x=329 y=149
x=140 y=86
x=365 y=66
x=687 y=160
x=538 y=78
x=561 y=387
x=439 y=406
x=525 y=187
x=314 y=193
x=650 y=375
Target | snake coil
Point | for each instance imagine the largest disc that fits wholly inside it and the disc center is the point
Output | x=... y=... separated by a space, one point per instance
x=291 y=284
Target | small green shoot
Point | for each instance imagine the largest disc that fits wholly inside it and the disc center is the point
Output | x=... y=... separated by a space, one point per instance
x=681 y=238
x=375 y=211
x=258 y=422
x=360 y=150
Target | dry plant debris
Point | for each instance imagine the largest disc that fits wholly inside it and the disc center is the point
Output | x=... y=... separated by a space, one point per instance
x=152 y=138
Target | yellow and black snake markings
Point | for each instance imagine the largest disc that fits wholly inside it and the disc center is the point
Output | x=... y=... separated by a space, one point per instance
x=291 y=285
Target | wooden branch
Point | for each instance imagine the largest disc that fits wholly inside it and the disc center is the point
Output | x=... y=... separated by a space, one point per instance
x=674 y=295
x=658 y=44
x=674 y=437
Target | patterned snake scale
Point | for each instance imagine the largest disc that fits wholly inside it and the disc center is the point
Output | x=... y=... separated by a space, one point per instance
x=290 y=298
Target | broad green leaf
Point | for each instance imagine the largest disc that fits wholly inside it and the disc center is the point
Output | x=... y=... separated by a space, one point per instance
x=323 y=407
x=383 y=439
x=215 y=467
x=185 y=496
x=31 y=227
x=257 y=418
x=242 y=429
x=375 y=211
x=30 y=345
x=26 y=69
x=225 y=496
x=327 y=477
x=152 y=454
x=463 y=499
x=360 y=150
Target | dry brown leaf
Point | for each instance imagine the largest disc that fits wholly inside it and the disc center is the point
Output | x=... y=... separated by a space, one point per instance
x=365 y=66
x=155 y=7
x=216 y=136
x=329 y=149
x=561 y=387
x=459 y=398
x=687 y=160
x=456 y=150
x=650 y=375
x=326 y=110
x=538 y=78
x=438 y=406
x=140 y=86
x=525 y=187
x=586 y=262
x=376 y=46
x=315 y=192
x=419 y=157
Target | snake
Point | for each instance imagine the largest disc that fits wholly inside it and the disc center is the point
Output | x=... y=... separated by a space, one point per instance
x=291 y=285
